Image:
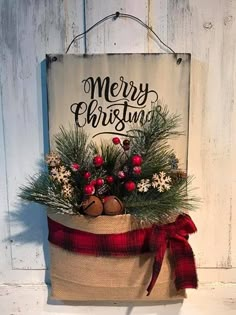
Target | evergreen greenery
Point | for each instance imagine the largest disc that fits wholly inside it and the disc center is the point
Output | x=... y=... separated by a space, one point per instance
x=42 y=189
x=63 y=190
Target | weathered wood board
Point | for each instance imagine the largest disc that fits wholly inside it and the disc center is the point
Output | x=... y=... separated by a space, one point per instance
x=29 y=29
x=106 y=94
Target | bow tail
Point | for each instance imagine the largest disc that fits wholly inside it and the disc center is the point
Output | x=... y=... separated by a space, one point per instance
x=184 y=263
x=156 y=267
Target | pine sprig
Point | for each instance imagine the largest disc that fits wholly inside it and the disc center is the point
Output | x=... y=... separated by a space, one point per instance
x=155 y=207
x=72 y=146
x=157 y=160
x=43 y=190
x=163 y=125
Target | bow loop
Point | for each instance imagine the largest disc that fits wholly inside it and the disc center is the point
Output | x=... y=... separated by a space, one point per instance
x=184 y=225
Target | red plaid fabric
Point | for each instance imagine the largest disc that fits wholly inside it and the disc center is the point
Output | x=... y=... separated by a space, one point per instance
x=155 y=239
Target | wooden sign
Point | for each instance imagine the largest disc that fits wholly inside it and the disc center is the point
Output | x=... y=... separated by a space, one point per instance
x=106 y=94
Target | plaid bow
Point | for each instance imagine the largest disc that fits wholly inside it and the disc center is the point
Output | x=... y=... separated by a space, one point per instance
x=155 y=239
x=174 y=236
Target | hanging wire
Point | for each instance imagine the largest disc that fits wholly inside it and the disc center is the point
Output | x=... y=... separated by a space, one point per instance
x=114 y=16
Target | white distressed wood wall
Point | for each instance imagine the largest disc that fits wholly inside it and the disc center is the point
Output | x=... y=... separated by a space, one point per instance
x=206 y=29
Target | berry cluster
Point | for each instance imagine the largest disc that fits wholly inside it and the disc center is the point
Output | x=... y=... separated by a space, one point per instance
x=133 y=166
x=92 y=184
x=125 y=177
x=125 y=145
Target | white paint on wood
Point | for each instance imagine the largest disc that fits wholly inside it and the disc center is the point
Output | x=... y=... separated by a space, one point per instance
x=30 y=30
x=228 y=69
x=157 y=20
x=211 y=120
x=28 y=300
x=5 y=261
x=121 y=35
x=22 y=128
x=74 y=25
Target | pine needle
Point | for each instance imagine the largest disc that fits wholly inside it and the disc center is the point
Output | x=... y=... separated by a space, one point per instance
x=43 y=190
x=73 y=147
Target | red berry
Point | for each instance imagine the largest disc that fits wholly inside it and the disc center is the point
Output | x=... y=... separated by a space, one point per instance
x=137 y=160
x=130 y=186
x=116 y=140
x=75 y=167
x=89 y=189
x=137 y=170
x=87 y=175
x=93 y=182
x=110 y=179
x=121 y=174
x=99 y=181
x=98 y=160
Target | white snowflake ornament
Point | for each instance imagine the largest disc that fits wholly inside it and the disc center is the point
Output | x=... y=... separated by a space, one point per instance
x=67 y=190
x=161 y=182
x=61 y=175
x=144 y=185
x=53 y=159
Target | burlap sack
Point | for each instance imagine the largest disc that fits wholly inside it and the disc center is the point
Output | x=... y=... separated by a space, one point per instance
x=82 y=277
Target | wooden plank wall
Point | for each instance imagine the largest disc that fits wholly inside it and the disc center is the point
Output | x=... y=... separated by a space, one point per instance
x=206 y=29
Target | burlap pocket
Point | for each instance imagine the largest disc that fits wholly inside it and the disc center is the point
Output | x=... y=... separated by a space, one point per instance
x=80 y=277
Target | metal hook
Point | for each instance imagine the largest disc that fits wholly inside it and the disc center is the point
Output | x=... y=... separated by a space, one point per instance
x=117 y=14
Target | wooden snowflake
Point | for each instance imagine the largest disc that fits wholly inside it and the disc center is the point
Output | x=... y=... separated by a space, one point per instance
x=53 y=159
x=67 y=191
x=144 y=185
x=161 y=182
x=61 y=174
